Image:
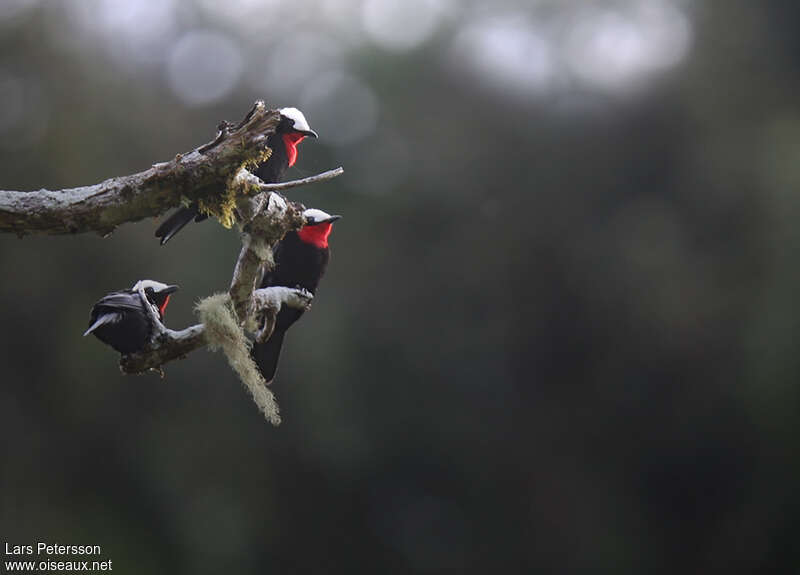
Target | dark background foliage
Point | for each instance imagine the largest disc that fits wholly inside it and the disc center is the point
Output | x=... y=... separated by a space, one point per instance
x=557 y=333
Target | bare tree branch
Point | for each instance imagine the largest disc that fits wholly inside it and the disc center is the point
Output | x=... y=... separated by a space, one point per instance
x=204 y=173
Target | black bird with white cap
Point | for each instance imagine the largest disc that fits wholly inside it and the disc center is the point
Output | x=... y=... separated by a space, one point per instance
x=121 y=320
x=301 y=259
x=292 y=129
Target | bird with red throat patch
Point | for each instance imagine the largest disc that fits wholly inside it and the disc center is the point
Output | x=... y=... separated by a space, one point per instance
x=121 y=320
x=301 y=259
x=292 y=129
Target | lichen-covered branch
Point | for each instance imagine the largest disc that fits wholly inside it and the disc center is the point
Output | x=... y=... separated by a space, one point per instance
x=265 y=219
x=205 y=173
x=215 y=177
x=220 y=329
x=168 y=345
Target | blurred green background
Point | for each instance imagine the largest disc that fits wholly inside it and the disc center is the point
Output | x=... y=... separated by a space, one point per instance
x=557 y=334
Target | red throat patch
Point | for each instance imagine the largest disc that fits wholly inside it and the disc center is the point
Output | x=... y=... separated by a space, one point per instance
x=163 y=307
x=291 y=140
x=316 y=235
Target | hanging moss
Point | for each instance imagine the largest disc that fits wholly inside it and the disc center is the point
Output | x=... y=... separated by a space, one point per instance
x=223 y=331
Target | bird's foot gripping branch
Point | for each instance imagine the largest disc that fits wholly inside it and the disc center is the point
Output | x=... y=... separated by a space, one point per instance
x=226 y=318
x=235 y=178
x=217 y=315
x=219 y=328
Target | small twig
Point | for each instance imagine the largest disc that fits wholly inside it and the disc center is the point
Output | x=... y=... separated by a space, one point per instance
x=324 y=176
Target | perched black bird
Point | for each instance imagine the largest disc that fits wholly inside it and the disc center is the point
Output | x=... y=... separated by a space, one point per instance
x=121 y=320
x=291 y=130
x=301 y=258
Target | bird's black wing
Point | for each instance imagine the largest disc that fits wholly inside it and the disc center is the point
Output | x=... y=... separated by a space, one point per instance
x=121 y=300
x=266 y=354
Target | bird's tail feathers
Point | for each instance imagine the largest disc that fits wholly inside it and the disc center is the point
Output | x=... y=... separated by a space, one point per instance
x=266 y=354
x=175 y=222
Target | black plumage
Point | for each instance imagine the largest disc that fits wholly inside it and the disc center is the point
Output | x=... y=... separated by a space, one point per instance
x=120 y=319
x=291 y=129
x=273 y=170
x=301 y=259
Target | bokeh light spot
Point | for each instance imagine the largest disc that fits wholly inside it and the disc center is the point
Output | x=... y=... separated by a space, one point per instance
x=509 y=51
x=244 y=14
x=204 y=67
x=134 y=32
x=13 y=10
x=613 y=48
x=294 y=62
x=341 y=107
x=401 y=26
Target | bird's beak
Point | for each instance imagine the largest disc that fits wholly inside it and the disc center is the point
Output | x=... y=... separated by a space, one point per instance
x=331 y=219
x=168 y=290
x=309 y=133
